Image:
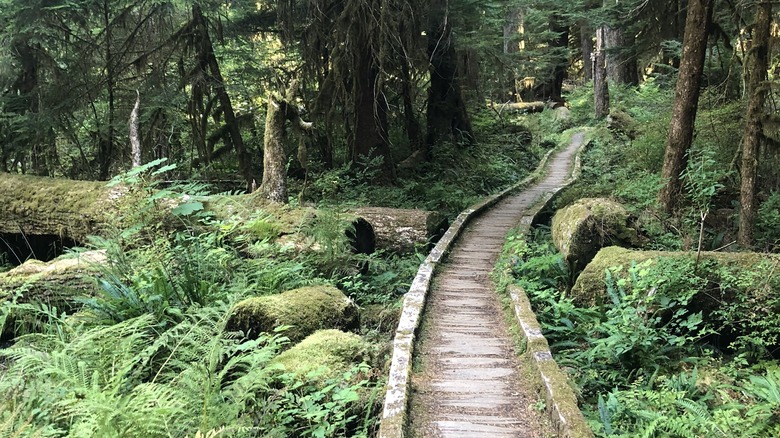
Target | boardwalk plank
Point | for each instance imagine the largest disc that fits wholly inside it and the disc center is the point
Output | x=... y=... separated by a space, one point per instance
x=468 y=384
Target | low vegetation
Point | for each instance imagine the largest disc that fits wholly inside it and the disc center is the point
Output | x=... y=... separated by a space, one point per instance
x=659 y=342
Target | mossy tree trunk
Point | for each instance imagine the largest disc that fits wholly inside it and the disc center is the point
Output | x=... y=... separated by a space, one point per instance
x=686 y=101
x=446 y=111
x=209 y=60
x=756 y=75
x=369 y=137
x=600 y=86
x=274 y=185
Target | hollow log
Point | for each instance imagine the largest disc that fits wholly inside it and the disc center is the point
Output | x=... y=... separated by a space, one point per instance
x=404 y=231
x=42 y=215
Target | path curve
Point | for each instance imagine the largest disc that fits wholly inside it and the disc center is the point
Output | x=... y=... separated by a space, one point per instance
x=469 y=381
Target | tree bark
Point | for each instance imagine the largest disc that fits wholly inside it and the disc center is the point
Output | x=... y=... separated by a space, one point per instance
x=404 y=231
x=411 y=124
x=600 y=85
x=686 y=100
x=756 y=75
x=135 y=138
x=446 y=112
x=207 y=50
x=621 y=68
x=274 y=185
x=586 y=47
x=560 y=41
x=106 y=145
x=369 y=137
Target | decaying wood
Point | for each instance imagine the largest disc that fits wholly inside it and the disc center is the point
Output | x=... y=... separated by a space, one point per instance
x=404 y=231
x=57 y=283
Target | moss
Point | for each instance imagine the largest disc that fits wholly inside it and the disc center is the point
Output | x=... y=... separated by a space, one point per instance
x=306 y=309
x=331 y=351
x=380 y=318
x=51 y=205
x=590 y=287
x=582 y=228
x=57 y=282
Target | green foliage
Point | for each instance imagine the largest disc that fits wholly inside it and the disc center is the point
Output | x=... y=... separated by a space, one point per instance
x=133 y=379
x=768 y=223
x=643 y=361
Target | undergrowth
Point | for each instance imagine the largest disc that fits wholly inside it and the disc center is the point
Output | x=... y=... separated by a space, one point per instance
x=644 y=362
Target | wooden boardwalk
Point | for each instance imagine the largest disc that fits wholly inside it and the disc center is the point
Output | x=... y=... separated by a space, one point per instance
x=469 y=382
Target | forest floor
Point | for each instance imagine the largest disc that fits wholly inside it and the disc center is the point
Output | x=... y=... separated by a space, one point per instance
x=468 y=380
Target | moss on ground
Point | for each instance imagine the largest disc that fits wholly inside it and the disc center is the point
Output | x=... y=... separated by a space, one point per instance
x=305 y=309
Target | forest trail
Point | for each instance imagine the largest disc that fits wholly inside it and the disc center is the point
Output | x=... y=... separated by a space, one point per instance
x=468 y=381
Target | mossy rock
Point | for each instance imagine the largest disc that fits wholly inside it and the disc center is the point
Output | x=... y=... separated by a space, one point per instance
x=326 y=353
x=589 y=224
x=57 y=282
x=622 y=122
x=306 y=310
x=731 y=272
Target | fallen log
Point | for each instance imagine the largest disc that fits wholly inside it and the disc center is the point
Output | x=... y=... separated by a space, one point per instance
x=57 y=283
x=404 y=231
x=55 y=207
x=41 y=213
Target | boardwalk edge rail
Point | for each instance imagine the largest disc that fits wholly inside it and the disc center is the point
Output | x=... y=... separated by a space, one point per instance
x=395 y=415
x=560 y=399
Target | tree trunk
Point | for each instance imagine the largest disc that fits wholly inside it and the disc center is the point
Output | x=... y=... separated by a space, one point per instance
x=756 y=75
x=446 y=112
x=686 y=100
x=106 y=145
x=412 y=126
x=369 y=137
x=560 y=41
x=274 y=185
x=600 y=86
x=621 y=67
x=586 y=47
x=135 y=138
x=512 y=31
x=207 y=50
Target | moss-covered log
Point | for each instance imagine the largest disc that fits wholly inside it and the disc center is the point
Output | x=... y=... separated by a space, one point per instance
x=404 y=231
x=69 y=211
x=736 y=293
x=306 y=310
x=51 y=206
x=727 y=274
x=582 y=228
x=56 y=283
